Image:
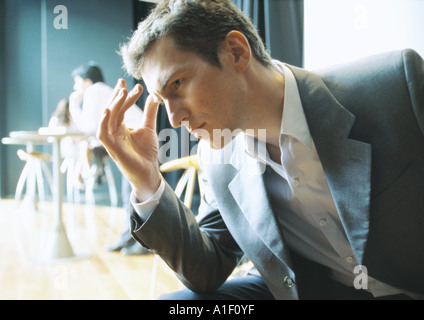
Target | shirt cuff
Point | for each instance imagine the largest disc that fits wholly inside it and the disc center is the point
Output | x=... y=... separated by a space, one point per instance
x=146 y=208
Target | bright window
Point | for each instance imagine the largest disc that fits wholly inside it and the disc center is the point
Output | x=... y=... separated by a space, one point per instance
x=342 y=30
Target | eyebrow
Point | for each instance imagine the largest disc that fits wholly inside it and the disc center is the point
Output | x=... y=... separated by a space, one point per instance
x=162 y=85
x=168 y=78
x=165 y=82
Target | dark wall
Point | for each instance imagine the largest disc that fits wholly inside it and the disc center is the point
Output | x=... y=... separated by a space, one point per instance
x=21 y=66
x=37 y=59
x=95 y=30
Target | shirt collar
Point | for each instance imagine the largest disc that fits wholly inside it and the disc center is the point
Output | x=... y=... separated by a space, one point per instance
x=293 y=121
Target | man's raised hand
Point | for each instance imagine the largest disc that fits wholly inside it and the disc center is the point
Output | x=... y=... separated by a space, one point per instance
x=135 y=152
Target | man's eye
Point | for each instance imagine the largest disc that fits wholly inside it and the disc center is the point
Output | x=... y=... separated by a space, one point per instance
x=177 y=83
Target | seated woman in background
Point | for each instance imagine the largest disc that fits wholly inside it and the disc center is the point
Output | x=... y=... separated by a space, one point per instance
x=61 y=117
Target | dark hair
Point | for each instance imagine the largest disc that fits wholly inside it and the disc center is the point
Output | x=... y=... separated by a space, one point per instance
x=195 y=25
x=62 y=112
x=89 y=71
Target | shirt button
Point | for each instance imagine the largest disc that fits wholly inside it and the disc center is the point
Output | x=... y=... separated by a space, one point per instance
x=296 y=182
x=289 y=282
x=323 y=222
x=349 y=259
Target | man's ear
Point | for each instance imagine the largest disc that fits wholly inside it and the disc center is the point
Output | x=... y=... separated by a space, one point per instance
x=236 y=44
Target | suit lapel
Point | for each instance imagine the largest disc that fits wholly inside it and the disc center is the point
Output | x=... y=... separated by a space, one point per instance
x=254 y=203
x=346 y=162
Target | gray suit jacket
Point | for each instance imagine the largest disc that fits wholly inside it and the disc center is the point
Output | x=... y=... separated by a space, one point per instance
x=367 y=122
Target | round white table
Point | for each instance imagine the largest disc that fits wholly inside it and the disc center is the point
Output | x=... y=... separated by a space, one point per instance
x=59 y=249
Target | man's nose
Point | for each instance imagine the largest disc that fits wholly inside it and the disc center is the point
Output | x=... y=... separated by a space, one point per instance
x=177 y=113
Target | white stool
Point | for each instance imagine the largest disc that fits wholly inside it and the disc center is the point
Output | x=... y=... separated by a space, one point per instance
x=73 y=193
x=91 y=184
x=33 y=176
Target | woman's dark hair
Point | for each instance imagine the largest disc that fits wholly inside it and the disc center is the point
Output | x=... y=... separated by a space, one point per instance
x=89 y=71
x=62 y=112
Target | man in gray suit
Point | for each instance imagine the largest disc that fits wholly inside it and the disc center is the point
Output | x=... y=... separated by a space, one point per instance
x=323 y=186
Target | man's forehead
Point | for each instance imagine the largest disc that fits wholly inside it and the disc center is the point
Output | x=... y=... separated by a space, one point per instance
x=161 y=62
x=157 y=76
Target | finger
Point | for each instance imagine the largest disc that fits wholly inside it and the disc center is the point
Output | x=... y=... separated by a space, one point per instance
x=150 y=113
x=114 y=108
x=104 y=137
x=131 y=99
x=120 y=84
x=102 y=130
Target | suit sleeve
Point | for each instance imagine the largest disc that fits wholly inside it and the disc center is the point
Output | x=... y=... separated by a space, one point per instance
x=199 y=249
x=414 y=74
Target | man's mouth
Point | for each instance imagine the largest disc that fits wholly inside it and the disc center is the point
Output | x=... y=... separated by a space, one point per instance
x=198 y=131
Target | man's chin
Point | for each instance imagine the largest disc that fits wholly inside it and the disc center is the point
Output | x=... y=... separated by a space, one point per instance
x=217 y=146
x=219 y=138
x=221 y=142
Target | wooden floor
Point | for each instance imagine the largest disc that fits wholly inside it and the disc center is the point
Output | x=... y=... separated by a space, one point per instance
x=100 y=275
